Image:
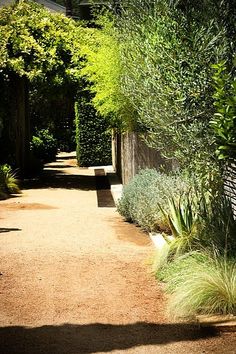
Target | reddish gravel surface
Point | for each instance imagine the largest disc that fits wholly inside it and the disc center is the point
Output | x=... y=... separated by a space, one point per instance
x=74 y=277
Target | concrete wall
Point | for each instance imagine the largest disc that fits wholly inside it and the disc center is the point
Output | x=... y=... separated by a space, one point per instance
x=130 y=154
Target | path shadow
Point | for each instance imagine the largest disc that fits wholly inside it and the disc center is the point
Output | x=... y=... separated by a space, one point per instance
x=104 y=196
x=59 y=166
x=93 y=338
x=54 y=177
x=69 y=157
x=9 y=229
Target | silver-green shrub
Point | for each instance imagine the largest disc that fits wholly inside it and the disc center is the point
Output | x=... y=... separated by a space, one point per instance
x=146 y=192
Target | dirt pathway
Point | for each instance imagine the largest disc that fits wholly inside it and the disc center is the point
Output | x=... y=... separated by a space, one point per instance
x=74 y=277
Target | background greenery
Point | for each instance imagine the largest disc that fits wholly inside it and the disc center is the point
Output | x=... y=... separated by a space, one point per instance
x=93 y=138
x=44 y=51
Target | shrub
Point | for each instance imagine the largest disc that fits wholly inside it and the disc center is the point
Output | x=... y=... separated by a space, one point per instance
x=165 y=269
x=217 y=225
x=93 y=139
x=223 y=123
x=199 y=221
x=166 y=51
x=8 y=181
x=146 y=192
x=44 y=146
x=201 y=283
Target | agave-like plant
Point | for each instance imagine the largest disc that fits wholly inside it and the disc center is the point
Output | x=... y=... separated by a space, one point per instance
x=9 y=183
x=182 y=219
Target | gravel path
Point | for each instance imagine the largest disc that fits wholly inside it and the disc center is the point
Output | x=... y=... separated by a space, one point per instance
x=75 y=277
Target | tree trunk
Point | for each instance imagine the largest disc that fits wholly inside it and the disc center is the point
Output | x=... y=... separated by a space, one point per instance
x=20 y=122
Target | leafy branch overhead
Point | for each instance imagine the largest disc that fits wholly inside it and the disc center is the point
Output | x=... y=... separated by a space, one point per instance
x=102 y=69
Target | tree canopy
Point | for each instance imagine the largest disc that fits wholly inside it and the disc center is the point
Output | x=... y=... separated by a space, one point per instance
x=38 y=44
x=39 y=47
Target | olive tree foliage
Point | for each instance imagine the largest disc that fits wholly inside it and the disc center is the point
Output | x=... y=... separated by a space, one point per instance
x=149 y=66
x=37 y=44
x=167 y=49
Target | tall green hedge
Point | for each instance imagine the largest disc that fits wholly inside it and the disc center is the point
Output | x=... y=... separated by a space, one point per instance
x=93 y=139
x=151 y=68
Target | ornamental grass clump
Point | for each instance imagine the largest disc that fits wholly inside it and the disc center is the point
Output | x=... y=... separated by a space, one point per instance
x=9 y=183
x=201 y=283
x=145 y=193
x=199 y=266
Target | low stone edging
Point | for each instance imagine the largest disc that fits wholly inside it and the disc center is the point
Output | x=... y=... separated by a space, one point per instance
x=219 y=322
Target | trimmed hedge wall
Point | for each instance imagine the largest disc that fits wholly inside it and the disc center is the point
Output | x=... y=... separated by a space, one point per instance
x=93 y=139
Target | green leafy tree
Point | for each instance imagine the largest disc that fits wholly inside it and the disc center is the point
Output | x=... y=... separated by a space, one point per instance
x=166 y=56
x=150 y=69
x=102 y=69
x=35 y=45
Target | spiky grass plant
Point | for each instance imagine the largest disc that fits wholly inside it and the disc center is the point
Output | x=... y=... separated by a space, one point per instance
x=182 y=218
x=202 y=283
x=9 y=183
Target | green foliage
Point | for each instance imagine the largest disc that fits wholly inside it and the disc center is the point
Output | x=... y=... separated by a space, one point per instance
x=44 y=49
x=102 y=69
x=77 y=131
x=93 y=139
x=8 y=181
x=35 y=42
x=145 y=193
x=166 y=50
x=202 y=283
x=217 y=225
x=181 y=216
x=44 y=146
x=180 y=264
x=199 y=220
x=224 y=121
x=56 y=113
